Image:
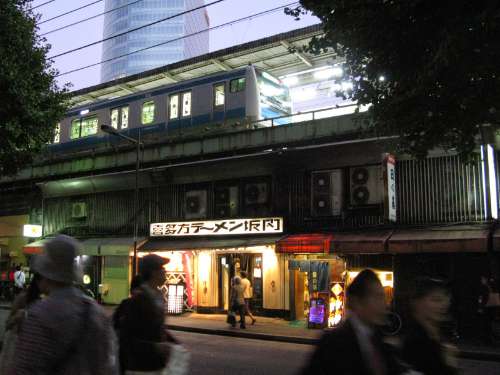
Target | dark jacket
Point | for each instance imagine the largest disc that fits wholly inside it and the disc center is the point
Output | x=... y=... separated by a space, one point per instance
x=139 y=322
x=339 y=353
x=423 y=353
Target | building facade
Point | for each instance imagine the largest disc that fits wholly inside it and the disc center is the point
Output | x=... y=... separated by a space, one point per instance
x=172 y=34
x=302 y=204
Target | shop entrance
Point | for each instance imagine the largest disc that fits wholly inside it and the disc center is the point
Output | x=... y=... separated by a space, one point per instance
x=230 y=265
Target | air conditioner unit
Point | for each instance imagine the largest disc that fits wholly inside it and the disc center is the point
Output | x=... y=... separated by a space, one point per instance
x=196 y=204
x=256 y=193
x=326 y=193
x=366 y=185
x=79 y=210
x=226 y=201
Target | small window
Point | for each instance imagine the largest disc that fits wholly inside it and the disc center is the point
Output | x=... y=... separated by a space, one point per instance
x=148 y=112
x=173 y=106
x=89 y=126
x=115 y=118
x=124 y=124
x=57 y=133
x=119 y=118
x=237 y=85
x=186 y=104
x=219 y=95
x=75 y=129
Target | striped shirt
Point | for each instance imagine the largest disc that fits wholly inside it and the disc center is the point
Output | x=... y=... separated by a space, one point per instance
x=66 y=333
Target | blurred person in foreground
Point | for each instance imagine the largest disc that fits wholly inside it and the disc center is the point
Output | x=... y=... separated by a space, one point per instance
x=65 y=332
x=424 y=345
x=356 y=347
x=13 y=324
x=145 y=343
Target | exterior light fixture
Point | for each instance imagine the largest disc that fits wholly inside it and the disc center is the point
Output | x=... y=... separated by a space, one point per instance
x=84 y=111
x=381 y=78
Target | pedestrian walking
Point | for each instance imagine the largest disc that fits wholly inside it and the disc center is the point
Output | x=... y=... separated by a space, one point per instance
x=247 y=294
x=238 y=301
x=424 y=346
x=356 y=347
x=145 y=344
x=17 y=313
x=65 y=332
x=19 y=280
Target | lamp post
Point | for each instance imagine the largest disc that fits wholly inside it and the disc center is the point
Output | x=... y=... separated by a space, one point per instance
x=112 y=131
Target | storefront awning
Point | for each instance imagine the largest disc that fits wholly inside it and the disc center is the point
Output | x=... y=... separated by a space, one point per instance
x=35 y=247
x=368 y=242
x=8 y=230
x=168 y=243
x=305 y=244
x=109 y=246
x=440 y=240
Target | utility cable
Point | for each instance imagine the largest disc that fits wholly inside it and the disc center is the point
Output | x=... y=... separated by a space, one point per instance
x=135 y=29
x=42 y=4
x=89 y=18
x=269 y=11
x=71 y=11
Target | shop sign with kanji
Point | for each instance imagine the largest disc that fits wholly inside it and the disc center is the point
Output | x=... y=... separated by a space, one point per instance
x=265 y=225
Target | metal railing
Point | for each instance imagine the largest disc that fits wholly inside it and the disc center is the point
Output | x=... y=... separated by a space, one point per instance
x=309 y=116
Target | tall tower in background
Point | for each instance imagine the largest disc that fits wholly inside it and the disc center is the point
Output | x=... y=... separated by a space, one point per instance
x=142 y=13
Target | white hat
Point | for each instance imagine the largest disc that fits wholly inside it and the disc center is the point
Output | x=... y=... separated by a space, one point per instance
x=57 y=262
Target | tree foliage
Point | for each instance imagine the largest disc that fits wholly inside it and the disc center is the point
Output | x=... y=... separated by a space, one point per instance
x=31 y=103
x=439 y=62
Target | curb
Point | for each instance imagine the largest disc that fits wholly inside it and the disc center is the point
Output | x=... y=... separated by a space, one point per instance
x=245 y=335
x=464 y=354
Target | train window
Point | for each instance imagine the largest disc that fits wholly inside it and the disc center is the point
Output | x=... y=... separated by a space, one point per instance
x=186 y=104
x=83 y=127
x=57 y=133
x=148 y=112
x=119 y=117
x=219 y=95
x=124 y=117
x=75 y=129
x=89 y=126
x=237 y=85
x=115 y=117
x=173 y=105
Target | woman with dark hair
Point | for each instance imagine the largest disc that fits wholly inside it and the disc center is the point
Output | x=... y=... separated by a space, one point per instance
x=424 y=346
x=17 y=314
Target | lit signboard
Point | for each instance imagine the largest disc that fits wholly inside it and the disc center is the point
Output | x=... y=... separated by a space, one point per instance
x=266 y=225
x=33 y=231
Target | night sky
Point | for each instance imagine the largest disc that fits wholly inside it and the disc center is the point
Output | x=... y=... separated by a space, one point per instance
x=91 y=31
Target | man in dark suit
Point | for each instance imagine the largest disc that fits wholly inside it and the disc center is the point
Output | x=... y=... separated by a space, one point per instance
x=355 y=348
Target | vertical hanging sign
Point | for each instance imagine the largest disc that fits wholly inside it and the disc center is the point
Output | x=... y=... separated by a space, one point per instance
x=390 y=178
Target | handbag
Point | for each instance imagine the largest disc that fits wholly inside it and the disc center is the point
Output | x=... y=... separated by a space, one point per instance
x=178 y=363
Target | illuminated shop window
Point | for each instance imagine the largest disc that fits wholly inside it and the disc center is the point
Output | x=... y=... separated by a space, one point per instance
x=148 y=112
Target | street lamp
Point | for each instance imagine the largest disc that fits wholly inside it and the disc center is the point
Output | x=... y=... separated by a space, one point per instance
x=110 y=130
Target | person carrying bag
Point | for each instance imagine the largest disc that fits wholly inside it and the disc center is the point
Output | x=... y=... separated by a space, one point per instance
x=146 y=347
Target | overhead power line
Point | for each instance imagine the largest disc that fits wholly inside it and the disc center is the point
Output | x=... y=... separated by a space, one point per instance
x=42 y=4
x=255 y=15
x=89 y=18
x=135 y=29
x=71 y=11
